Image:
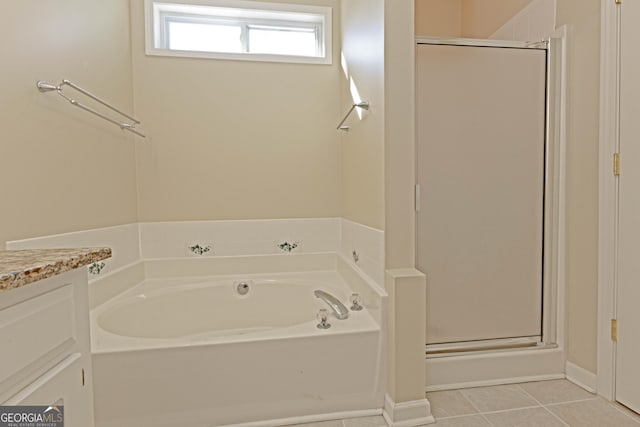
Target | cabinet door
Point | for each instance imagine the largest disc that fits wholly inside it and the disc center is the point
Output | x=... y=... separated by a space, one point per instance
x=61 y=385
x=41 y=331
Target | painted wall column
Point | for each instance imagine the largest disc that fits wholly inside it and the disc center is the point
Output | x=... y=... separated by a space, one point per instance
x=405 y=403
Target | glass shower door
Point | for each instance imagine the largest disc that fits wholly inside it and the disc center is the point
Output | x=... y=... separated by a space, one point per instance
x=481 y=174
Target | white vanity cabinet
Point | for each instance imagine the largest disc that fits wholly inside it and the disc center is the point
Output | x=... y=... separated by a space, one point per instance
x=45 y=355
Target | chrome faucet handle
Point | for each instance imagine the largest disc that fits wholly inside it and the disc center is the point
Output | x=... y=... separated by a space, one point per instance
x=356 y=302
x=322 y=318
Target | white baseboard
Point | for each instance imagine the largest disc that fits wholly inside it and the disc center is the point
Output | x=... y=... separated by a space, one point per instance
x=476 y=370
x=581 y=377
x=407 y=414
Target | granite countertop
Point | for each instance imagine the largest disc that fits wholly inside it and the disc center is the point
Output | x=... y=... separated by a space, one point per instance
x=21 y=267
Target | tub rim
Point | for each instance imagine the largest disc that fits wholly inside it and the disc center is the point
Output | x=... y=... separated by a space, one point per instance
x=103 y=341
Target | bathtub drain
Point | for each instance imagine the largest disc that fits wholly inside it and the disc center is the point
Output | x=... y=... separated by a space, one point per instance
x=242 y=288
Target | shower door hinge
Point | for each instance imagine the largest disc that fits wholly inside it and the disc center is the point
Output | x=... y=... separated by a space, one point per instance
x=616 y=164
x=614 y=330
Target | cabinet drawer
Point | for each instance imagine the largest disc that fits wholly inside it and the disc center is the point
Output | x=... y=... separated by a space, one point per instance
x=34 y=332
x=52 y=387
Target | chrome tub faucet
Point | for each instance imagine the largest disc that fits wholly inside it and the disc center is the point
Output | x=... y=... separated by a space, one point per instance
x=336 y=306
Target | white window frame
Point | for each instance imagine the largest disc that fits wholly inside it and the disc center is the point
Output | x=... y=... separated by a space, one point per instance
x=243 y=13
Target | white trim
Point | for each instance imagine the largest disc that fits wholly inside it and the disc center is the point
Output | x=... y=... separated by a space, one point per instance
x=310 y=418
x=407 y=414
x=608 y=210
x=555 y=268
x=540 y=45
x=491 y=368
x=581 y=377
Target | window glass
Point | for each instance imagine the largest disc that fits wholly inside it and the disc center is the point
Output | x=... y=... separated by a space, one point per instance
x=203 y=37
x=283 y=41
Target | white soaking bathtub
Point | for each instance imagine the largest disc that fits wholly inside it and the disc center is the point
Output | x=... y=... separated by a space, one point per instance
x=194 y=352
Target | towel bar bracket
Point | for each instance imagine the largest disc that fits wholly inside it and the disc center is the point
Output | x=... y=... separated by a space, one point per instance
x=363 y=104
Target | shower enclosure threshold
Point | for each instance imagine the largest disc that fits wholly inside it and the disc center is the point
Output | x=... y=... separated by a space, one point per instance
x=480 y=368
x=458 y=348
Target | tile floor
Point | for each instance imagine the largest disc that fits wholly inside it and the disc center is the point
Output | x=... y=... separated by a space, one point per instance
x=536 y=404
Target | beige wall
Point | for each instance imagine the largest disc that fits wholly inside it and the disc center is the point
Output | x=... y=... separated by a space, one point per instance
x=237 y=139
x=438 y=18
x=63 y=169
x=481 y=18
x=583 y=18
x=464 y=18
x=363 y=145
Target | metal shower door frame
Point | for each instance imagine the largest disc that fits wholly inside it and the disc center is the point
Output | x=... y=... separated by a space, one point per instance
x=553 y=272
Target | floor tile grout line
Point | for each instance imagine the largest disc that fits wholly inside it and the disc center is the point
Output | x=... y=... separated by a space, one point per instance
x=476 y=408
x=459 y=391
x=470 y=402
x=529 y=394
x=557 y=417
x=487 y=420
x=538 y=404
x=623 y=412
x=571 y=401
x=502 y=411
x=595 y=396
x=523 y=409
x=454 y=417
x=543 y=406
